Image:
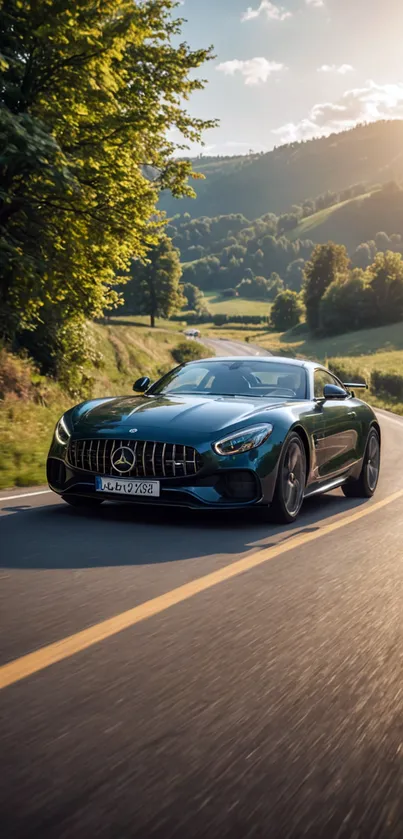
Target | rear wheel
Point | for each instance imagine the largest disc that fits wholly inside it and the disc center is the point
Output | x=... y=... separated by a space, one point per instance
x=82 y=502
x=365 y=485
x=291 y=480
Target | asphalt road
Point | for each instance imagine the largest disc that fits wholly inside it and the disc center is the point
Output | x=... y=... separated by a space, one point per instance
x=263 y=704
x=223 y=347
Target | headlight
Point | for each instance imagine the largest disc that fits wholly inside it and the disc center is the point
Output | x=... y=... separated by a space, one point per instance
x=62 y=433
x=244 y=440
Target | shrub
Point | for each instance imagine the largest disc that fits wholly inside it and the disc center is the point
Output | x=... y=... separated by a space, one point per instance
x=220 y=320
x=15 y=376
x=229 y=292
x=189 y=351
x=286 y=311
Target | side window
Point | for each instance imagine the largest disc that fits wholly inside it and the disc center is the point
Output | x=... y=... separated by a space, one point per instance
x=322 y=378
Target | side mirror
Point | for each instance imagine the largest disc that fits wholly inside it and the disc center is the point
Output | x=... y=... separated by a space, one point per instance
x=334 y=392
x=142 y=384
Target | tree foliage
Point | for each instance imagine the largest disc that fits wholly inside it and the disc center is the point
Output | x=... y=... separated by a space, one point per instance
x=154 y=288
x=286 y=310
x=347 y=304
x=327 y=263
x=247 y=250
x=359 y=298
x=88 y=91
x=386 y=281
x=195 y=298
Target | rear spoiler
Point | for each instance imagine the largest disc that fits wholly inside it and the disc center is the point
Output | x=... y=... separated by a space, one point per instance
x=351 y=385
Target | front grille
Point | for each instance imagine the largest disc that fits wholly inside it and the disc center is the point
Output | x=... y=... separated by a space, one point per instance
x=151 y=460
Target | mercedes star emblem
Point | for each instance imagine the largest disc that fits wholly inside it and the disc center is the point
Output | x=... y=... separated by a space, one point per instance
x=123 y=460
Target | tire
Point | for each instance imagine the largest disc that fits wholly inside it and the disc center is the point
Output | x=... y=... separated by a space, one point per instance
x=291 y=481
x=82 y=502
x=365 y=485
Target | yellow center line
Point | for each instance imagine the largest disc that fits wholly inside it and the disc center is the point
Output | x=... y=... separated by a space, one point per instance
x=34 y=662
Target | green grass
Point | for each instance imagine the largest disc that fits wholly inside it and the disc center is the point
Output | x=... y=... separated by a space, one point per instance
x=321 y=225
x=26 y=425
x=382 y=344
x=365 y=350
x=219 y=305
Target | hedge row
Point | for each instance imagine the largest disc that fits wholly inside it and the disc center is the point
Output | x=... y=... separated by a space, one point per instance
x=380 y=383
x=221 y=320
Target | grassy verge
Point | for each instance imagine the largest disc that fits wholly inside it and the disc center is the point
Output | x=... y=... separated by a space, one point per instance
x=33 y=404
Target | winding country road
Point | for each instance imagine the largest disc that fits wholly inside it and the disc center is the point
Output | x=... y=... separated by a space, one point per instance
x=223 y=347
x=236 y=679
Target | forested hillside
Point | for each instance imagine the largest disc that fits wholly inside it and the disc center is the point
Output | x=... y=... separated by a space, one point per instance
x=356 y=220
x=256 y=184
x=218 y=253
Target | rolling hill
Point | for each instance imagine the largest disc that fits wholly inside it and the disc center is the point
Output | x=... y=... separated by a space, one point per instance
x=257 y=184
x=357 y=220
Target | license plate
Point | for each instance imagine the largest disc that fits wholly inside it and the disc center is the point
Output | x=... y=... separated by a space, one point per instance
x=124 y=486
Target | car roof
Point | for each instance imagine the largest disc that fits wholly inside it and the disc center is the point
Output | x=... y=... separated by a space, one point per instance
x=298 y=362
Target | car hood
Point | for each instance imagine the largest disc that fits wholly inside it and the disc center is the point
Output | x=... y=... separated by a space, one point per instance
x=173 y=415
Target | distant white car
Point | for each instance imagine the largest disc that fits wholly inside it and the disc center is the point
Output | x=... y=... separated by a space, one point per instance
x=192 y=333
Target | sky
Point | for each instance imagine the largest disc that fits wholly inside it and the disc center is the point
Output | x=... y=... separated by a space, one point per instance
x=294 y=69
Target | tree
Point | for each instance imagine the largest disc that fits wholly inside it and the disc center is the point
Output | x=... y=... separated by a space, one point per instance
x=348 y=305
x=362 y=256
x=386 y=280
x=327 y=263
x=254 y=289
x=295 y=274
x=286 y=311
x=276 y=284
x=195 y=298
x=88 y=91
x=154 y=289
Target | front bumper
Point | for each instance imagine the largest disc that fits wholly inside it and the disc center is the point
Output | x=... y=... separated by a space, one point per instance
x=233 y=482
x=226 y=488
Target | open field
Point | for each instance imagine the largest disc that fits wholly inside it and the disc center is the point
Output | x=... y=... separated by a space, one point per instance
x=384 y=340
x=219 y=305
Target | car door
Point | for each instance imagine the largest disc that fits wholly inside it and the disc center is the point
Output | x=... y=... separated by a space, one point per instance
x=337 y=446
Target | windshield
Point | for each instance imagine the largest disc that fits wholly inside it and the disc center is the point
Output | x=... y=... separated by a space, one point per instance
x=252 y=378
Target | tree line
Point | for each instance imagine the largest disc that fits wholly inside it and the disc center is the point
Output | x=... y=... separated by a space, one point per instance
x=341 y=298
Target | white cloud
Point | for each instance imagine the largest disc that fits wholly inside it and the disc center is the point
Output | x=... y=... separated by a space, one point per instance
x=271 y=11
x=365 y=104
x=342 y=69
x=317 y=3
x=254 y=70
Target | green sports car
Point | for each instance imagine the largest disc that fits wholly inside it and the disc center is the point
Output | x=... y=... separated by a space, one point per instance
x=220 y=433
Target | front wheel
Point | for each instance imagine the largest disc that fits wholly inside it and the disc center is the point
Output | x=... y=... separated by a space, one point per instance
x=82 y=502
x=291 y=480
x=366 y=484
